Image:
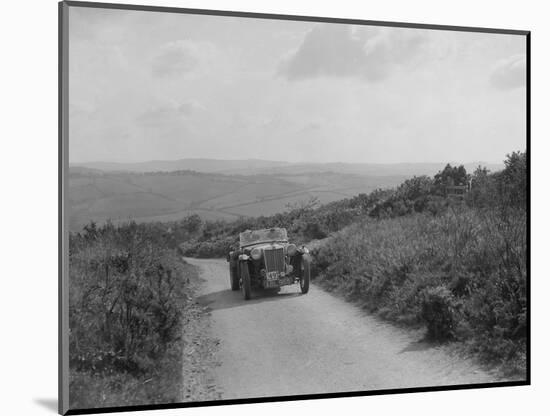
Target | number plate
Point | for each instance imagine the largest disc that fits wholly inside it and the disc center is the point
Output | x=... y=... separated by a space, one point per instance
x=271 y=283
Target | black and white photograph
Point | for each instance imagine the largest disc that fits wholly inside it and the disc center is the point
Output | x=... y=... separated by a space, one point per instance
x=282 y=208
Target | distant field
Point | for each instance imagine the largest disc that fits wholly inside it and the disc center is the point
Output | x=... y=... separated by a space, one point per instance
x=144 y=197
x=270 y=167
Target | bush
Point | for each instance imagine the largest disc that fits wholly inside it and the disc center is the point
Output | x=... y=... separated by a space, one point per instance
x=439 y=312
x=128 y=289
x=208 y=249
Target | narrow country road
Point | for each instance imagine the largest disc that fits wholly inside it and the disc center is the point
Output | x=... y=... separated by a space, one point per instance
x=291 y=344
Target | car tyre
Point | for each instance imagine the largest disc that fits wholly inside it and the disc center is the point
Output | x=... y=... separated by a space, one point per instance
x=233 y=278
x=245 y=281
x=305 y=276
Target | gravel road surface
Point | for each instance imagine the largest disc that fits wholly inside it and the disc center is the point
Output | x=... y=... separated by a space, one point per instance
x=291 y=344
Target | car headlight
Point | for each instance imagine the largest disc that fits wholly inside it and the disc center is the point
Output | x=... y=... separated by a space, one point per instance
x=256 y=253
x=291 y=249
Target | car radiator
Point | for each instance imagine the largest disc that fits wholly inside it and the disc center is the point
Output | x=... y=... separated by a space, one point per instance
x=274 y=260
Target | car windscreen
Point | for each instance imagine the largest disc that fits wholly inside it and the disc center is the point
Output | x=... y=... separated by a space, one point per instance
x=259 y=236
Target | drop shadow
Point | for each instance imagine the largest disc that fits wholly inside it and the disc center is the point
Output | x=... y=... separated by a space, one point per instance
x=226 y=299
x=48 y=404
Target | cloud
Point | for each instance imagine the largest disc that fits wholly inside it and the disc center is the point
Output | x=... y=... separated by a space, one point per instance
x=342 y=51
x=190 y=107
x=95 y=23
x=169 y=112
x=327 y=50
x=81 y=108
x=311 y=127
x=510 y=73
x=180 y=57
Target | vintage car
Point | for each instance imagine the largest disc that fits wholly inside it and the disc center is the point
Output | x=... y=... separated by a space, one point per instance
x=266 y=260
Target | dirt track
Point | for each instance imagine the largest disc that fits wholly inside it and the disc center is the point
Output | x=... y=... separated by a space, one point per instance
x=292 y=344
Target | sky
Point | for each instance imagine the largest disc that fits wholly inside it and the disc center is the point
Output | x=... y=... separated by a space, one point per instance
x=162 y=86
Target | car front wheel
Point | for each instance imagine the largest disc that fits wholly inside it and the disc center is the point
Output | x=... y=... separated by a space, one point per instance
x=305 y=276
x=245 y=281
x=233 y=278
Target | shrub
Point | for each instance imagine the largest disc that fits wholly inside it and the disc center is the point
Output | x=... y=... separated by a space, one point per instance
x=128 y=288
x=439 y=312
x=313 y=231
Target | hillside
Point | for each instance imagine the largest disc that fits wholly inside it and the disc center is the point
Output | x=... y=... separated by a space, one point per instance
x=95 y=195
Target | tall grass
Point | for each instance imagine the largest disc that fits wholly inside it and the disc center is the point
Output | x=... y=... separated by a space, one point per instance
x=461 y=273
x=128 y=294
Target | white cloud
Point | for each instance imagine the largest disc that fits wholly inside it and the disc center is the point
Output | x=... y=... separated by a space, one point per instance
x=81 y=108
x=169 y=112
x=352 y=51
x=510 y=73
x=181 y=57
x=190 y=107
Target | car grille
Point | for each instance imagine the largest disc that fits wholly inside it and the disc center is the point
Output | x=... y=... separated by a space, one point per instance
x=274 y=260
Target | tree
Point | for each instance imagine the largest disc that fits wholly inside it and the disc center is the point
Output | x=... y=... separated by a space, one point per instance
x=483 y=192
x=192 y=223
x=505 y=189
x=513 y=180
x=450 y=176
x=416 y=187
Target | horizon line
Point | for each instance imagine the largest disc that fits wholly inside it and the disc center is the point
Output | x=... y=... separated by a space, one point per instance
x=280 y=161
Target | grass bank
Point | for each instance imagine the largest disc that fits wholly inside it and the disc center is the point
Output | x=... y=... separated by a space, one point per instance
x=134 y=322
x=461 y=274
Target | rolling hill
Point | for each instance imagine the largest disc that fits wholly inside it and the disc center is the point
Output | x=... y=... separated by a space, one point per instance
x=164 y=196
x=258 y=167
x=214 y=189
x=198 y=165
